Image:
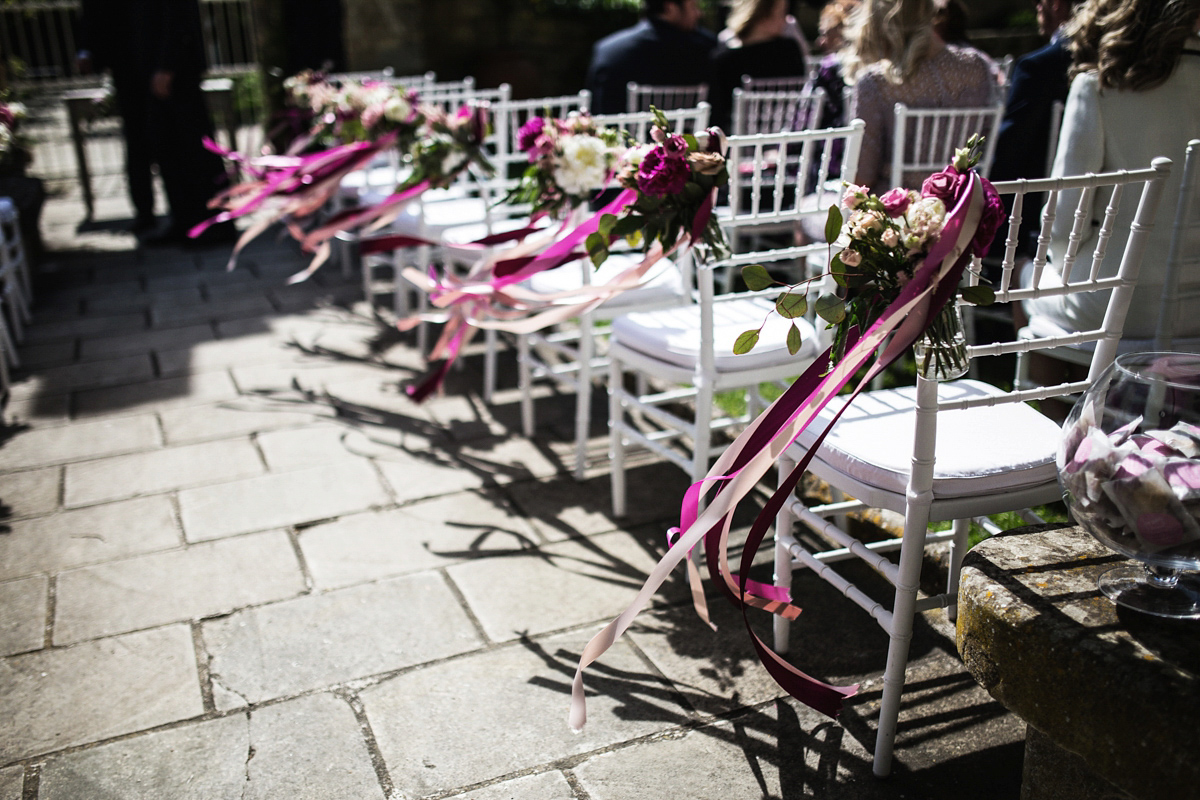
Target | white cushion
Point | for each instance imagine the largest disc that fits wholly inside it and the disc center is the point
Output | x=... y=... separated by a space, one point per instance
x=673 y=335
x=979 y=450
x=663 y=285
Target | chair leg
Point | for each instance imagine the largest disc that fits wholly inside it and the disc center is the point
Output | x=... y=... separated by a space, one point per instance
x=583 y=394
x=616 y=438
x=703 y=436
x=525 y=383
x=783 y=560
x=491 y=345
x=958 y=549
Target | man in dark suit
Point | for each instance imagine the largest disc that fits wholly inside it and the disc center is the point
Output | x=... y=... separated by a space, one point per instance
x=1039 y=79
x=667 y=48
x=155 y=52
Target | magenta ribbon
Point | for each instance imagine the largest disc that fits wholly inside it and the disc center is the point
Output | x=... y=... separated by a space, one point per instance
x=738 y=470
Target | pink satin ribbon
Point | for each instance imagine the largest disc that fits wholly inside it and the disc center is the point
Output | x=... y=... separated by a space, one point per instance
x=739 y=469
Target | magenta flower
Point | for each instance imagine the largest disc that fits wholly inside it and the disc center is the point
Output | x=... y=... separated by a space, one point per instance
x=895 y=202
x=529 y=133
x=676 y=146
x=659 y=175
x=944 y=185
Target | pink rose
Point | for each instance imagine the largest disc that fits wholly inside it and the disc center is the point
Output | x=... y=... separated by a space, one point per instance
x=895 y=202
x=659 y=175
x=851 y=258
x=944 y=185
x=528 y=135
x=854 y=195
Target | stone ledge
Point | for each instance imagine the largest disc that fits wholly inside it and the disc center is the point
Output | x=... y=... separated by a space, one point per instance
x=1120 y=690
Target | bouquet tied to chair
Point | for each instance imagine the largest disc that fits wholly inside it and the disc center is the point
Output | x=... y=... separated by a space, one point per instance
x=886 y=239
x=905 y=255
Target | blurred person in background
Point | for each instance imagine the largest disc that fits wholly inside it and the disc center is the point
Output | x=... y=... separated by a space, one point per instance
x=761 y=46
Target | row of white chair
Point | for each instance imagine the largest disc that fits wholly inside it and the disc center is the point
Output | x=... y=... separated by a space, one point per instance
x=16 y=290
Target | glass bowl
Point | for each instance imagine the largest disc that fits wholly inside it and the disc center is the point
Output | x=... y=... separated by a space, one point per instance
x=1129 y=467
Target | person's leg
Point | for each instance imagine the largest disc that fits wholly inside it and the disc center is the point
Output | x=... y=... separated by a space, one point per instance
x=133 y=106
x=191 y=173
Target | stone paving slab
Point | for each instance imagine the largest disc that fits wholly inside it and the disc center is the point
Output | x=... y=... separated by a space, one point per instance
x=156 y=395
x=23 y=606
x=327 y=639
x=86 y=375
x=81 y=440
x=60 y=698
x=117 y=300
x=504 y=711
x=84 y=327
x=198 y=581
x=50 y=354
x=559 y=585
x=305 y=749
x=281 y=499
x=95 y=348
x=40 y=411
x=159 y=471
x=308 y=446
x=205 y=761
x=11 y=782
x=170 y=316
x=238 y=417
x=420 y=536
x=33 y=492
x=88 y=536
x=221 y=354
x=545 y=786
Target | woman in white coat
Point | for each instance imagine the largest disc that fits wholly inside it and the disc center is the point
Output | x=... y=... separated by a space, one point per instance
x=1135 y=96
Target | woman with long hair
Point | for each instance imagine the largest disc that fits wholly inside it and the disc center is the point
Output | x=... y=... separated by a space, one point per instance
x=899 y=58
x=1135 y=95
x=761 y=46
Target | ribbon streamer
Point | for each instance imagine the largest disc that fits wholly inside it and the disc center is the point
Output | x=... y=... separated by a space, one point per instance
x=738 y=470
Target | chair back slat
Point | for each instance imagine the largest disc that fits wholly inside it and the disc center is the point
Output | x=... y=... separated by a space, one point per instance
x=924 y=139
x=638 y=123
x=640 y=96
x=1143 y=187
x=776 y=110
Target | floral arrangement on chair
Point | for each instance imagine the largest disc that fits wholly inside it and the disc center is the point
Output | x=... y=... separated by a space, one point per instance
x=15 y=153
x=352 y=111
x=887 y=238
x=905 y=255
x=569 y=160
x=676 y=179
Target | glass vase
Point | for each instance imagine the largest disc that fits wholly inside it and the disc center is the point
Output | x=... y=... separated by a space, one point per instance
x=941 y=352
x=1129 y=466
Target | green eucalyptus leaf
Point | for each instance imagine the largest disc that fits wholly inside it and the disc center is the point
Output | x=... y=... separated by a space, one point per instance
x=692 y=144
x=791 y=305
x=794 y=340
x=830 y=308
x=631 y=223
x=606 y=224
x=756 y=277
x=838 y=270
x=597 y=248
x=833 y=224
x=979 y=295
x=745 y=343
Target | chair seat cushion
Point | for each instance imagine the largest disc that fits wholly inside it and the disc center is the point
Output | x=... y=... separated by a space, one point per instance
x=673 y=335
x=664 y=284
x=979 y=450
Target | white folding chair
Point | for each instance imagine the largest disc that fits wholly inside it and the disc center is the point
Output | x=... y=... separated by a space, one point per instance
x=387 y=75
x=925 y=139
x=510 y=162
x=14 y=291
x=974 y=448
x=570 y=354
x=1180 y=287
x=640 y=96
x=790 y=83
x=685 y=354
x=776 y=110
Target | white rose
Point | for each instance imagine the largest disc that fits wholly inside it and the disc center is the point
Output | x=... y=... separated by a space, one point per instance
x=583 y=165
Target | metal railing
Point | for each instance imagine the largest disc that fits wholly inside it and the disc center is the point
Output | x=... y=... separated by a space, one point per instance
x=39 y=42
x=39 y=39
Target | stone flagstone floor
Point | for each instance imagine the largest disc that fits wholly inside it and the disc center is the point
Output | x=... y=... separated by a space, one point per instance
x=237 y=562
